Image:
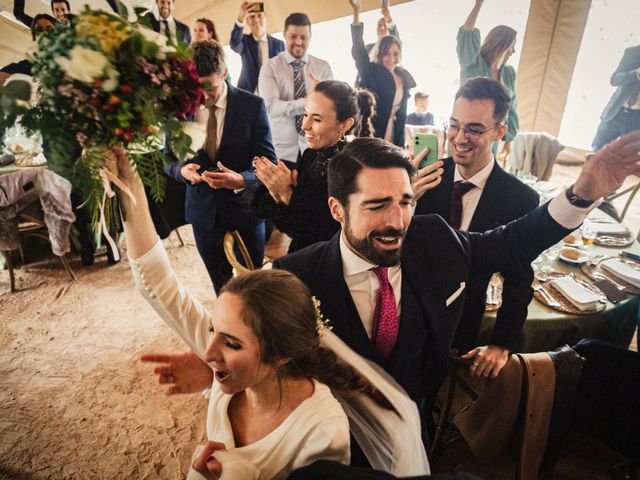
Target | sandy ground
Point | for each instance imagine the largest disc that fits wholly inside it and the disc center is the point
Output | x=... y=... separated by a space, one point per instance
x=76 y=402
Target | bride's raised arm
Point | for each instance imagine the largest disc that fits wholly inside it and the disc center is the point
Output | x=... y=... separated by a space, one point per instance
x=152 y=271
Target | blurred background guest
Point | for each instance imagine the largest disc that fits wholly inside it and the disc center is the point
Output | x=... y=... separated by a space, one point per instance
x=389 y=82
x=490 y=60
x=254 y=48
x=204 y=29
x=421 y=116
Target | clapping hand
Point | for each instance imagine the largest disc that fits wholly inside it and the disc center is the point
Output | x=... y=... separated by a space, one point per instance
x=426 y=178
x=278 y=179
x=206 y=464
x=182 y=372
x=224 y=178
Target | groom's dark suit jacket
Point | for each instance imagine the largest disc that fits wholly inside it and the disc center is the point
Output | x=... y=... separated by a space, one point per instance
x=435 y=260
x=504 y=198
x=182 y=31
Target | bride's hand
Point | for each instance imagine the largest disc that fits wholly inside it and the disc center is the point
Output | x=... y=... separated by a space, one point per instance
x=206 y=464
x=118 y=163
x=182 y=372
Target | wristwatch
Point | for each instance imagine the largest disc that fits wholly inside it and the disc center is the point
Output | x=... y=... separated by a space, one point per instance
x=575 y=200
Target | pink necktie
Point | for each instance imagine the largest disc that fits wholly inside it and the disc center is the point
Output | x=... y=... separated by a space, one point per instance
x=385 y=315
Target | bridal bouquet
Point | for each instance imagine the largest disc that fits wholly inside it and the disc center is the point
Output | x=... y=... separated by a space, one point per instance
x=103 y=82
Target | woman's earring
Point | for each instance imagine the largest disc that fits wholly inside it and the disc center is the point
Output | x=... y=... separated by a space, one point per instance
x=343 y=137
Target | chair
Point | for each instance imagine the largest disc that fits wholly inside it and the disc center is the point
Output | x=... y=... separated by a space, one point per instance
x=632 y=191
x=533 y=153
x=231 y=239
x=495 y=421
x=30 y=225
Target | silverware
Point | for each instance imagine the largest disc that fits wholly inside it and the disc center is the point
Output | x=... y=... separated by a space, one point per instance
x=602 y=276
x=552 y=302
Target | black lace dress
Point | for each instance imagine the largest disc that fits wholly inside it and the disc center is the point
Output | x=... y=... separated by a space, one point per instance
x=306 y=219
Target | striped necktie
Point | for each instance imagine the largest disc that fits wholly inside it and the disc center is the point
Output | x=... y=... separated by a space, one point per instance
x=299 y=89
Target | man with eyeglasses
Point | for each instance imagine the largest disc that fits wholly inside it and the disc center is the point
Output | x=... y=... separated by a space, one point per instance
x=477 y=195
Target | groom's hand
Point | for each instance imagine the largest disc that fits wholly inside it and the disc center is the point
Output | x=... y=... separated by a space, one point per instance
x=607 y=169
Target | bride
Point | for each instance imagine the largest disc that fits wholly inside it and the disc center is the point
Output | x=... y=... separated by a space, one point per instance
x=279 y=380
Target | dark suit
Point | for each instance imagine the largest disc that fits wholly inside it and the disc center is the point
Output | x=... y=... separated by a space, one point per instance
x=617 y=120
x=182 y=31
x=435 y=260
x=246 y=134
x=247 y=47
x=504 y=198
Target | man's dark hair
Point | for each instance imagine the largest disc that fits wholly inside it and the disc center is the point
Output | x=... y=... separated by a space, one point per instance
x=362 y=153
x=297 y=20
x=209 y=58
x=60 y=1
x=34 y=23
x=482 y=88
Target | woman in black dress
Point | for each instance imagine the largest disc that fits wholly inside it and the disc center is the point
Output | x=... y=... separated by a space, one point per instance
x=383 y=75
x=297 y=200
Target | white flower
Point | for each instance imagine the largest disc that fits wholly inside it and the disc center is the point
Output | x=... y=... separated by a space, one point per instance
x=84 y=64
x=112 y=82
x=160 y=40
x=198 y=135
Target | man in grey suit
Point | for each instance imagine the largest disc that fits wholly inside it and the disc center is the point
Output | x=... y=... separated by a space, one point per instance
x=622 y=113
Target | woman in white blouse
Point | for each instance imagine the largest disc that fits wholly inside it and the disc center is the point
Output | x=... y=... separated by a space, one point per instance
x=271 y=409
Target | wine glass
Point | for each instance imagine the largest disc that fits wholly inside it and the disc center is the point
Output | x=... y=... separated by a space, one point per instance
x=589 y=234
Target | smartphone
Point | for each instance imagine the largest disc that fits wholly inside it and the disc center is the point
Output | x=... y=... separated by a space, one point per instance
x=426 y=140
x=257 y=7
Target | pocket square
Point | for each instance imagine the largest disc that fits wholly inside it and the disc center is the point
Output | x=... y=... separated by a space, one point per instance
x=455 y=294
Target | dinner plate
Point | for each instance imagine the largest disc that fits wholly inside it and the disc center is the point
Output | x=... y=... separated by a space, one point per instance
x=566 y=254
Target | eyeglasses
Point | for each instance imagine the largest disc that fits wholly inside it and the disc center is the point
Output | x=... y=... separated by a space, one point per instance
x=472 y=133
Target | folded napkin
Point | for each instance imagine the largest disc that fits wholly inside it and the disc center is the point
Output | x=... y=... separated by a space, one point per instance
x=610 y=229
x=622 y=270
x=582 y=298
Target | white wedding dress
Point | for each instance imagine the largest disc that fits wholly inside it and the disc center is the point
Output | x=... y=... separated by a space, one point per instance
x=318 y=428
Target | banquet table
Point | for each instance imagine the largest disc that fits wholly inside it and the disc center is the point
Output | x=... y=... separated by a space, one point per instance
x=546 y=329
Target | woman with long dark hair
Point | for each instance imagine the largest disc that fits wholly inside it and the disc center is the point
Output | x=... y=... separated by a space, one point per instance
x=489 y=59
x=297 y=201
x=385 y=77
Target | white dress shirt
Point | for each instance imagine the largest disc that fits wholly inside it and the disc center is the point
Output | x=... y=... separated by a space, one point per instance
x=275 y=85
x=472 y=197
x=202 y=114
x=364 y=285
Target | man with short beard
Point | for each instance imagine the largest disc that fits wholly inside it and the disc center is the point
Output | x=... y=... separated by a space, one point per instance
x=284 y=82
x=167 y=25
x=393 y=285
